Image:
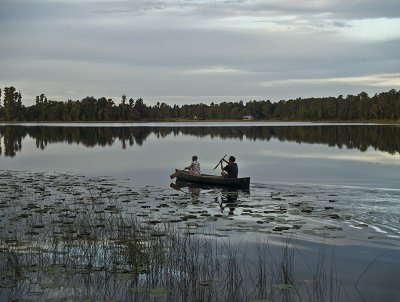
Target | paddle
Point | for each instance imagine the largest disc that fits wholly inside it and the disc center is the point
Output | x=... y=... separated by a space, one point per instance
x=173 y=175
x=220 y=162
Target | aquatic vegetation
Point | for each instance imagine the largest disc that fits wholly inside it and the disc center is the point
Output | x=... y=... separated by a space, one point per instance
x=75 y=238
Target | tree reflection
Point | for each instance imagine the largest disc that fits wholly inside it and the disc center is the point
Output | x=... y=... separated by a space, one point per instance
x=361 y=137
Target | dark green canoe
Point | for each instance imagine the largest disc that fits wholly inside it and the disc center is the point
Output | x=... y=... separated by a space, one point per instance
x=243 y=182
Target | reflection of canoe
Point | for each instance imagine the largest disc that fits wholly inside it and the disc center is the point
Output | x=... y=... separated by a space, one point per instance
x=179 y=184
x=243 y=182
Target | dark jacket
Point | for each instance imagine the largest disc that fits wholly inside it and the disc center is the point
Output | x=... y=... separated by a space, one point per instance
x=232 y=170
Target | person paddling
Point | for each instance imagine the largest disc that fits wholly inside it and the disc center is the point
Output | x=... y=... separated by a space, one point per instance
x=231 y=169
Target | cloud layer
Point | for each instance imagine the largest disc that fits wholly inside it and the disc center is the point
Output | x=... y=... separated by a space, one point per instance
x=199 y=51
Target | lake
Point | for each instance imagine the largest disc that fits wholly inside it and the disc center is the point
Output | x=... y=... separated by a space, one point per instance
x=326 y=154
x=335 y=184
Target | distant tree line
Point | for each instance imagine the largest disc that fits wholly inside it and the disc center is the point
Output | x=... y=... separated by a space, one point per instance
x=382 y=106
x=360 y=137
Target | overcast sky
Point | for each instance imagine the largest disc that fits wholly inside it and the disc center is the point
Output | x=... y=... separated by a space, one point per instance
x=182 y=51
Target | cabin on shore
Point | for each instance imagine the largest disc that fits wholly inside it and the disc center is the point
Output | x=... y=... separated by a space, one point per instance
x=248 y=118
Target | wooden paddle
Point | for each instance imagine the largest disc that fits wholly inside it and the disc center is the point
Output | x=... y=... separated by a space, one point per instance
x=173 y=175
x=220 y=162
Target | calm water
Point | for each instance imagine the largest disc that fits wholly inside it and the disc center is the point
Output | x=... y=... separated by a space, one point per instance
x=340 y=155
x=347 y=170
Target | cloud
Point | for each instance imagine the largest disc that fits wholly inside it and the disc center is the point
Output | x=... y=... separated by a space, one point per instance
x=369 y=156
x=378 y=80
x=179 y=49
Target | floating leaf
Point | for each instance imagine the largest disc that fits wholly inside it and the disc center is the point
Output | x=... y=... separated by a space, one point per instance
x=283 y=286
x=138 y=289
x=209 y=282
x=50 y=285
x=158 y=292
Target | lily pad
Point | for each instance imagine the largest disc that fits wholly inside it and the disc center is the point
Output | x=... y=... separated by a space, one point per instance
x=283 y=286
x=138 y=289
x=209 y=282
x=159 y=292
x=50 y=285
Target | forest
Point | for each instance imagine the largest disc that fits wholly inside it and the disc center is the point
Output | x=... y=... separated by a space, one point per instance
x=361 y=107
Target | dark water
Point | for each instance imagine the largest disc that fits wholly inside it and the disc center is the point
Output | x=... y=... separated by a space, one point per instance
x=325 y=181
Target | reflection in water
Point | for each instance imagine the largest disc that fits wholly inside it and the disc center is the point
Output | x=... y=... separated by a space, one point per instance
x=228 y=198
x=192 y=190
x=361 y=137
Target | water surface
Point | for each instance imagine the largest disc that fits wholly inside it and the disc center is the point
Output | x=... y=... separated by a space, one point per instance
x=331 y=183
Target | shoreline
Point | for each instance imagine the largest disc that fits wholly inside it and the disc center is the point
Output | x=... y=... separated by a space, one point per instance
x=272 y=121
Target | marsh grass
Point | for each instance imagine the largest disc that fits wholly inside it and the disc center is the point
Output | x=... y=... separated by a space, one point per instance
x=84 y=241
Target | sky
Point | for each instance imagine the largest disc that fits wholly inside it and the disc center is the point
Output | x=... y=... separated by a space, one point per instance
x=182 y=51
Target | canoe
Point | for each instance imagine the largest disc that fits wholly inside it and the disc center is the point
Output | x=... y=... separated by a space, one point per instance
x=243 y=182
